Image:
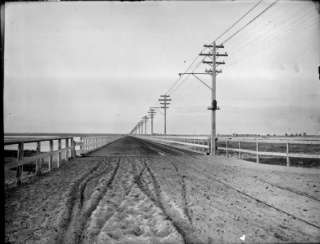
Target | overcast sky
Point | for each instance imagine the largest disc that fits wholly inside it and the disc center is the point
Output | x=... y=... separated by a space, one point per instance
x=98 y=67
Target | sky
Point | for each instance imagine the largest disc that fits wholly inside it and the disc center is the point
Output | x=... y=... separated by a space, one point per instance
x=97 y=67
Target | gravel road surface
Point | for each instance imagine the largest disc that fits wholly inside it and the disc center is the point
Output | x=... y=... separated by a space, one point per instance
x=136 y=191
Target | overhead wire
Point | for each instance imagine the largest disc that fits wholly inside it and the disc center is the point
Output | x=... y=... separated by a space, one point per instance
x=281 y=28
x=235 y=23
x=176 y=83
x=247 y=24
x=178 y=86
x=175 y=86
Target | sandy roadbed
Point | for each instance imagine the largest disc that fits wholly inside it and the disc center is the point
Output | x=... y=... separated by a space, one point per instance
x=139 y=192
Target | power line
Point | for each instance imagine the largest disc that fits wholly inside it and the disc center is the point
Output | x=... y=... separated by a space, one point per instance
x=271 y=32
x=173 y=88
x=286 y=27
x=242 y=17
x=196 y=57
x=186 y=77
x=257 y=16
x=177 y=81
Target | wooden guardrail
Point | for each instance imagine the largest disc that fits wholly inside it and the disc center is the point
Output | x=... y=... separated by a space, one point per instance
x=38 y=159
x=257 y=152
x=85 y=144
x=201 y=143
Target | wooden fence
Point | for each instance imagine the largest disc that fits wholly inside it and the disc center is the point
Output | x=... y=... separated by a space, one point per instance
x=201 y=143
x=258 y=152
x=85 y=144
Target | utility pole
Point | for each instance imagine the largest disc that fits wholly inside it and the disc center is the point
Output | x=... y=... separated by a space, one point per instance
x=164 y=101
x=151 y=115
x=145 y=118
x=140 y=127
x=212 y=56
x=214 y=106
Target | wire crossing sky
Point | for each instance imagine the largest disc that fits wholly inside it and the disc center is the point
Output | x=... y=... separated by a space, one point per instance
x=98 y=67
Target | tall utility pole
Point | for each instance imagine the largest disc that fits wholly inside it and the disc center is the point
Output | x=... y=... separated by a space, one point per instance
x=211 y=55
x=164 y=101
x=140 y=127
x=214 y=106
x=145 y=118
x=151 y=115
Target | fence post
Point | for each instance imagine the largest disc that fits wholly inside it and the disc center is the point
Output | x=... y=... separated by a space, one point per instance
x=19 y=166
x=227 y=148
x=81 y=144
x=67 y=150
x=239 y=150
x=38 y=161
x=257 y=150
x=59 y=153
x=51 y=155
x=288 y=159
x=73 y=148
x=89 y=144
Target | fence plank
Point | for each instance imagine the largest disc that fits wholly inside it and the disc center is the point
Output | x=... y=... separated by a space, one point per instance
x=51 y=155
x=287 y=158
x=59 y=153
x=38 y=161
x=20 y=155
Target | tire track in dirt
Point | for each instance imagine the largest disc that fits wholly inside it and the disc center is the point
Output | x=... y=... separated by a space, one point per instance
x=70 y=202
x=128 y=213
x=241 y=192
x=182 y=225
x=94 y=201
x=81 y=209
x=184 y=191
x=300 y=193
x=83 y=185
x=181 y=177
x=91 y=236
x=254 y=198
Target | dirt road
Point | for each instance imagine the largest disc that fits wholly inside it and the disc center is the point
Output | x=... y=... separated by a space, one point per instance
x=134 y=191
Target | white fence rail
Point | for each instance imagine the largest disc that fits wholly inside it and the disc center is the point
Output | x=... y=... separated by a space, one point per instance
x=201 y=143
x=73 y=145
x=259 y=141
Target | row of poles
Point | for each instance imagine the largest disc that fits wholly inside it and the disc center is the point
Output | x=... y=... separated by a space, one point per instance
x=141 y=126
x=211 y=58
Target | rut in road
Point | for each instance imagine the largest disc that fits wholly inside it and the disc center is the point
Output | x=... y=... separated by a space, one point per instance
x=127 y=213
x=79 y=208
x=70 y=203
x=182 y=224
x=89 y=235
x=184 y=191
x=156 y=148
x=300 y=193
x=254 y=198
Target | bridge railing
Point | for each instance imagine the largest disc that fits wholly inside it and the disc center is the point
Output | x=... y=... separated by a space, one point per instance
x=197 y=143
x=260 y=147
x=273 y=147
x=49 y=153
x=91 y=143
